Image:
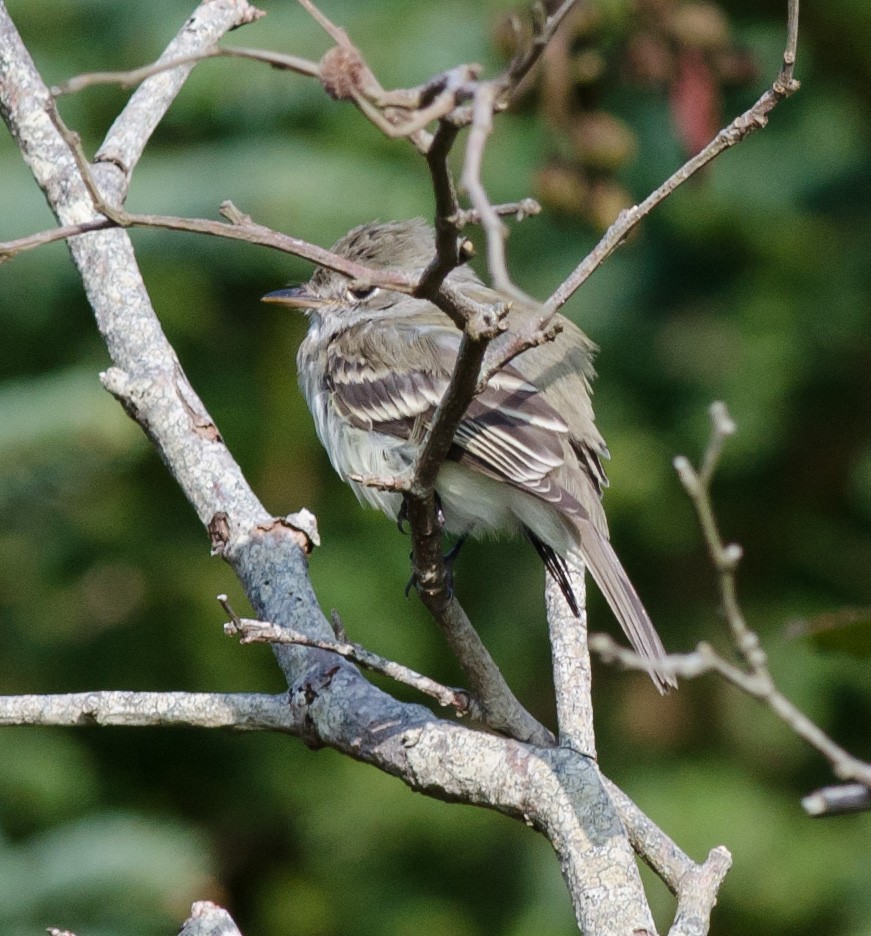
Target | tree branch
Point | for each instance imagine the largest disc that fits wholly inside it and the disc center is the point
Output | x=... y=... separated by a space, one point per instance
x=133 y=77
x=755 y=677
x=572 y=677
x=741 y=127
x=836 y=800
x=208 y=919
x=240 y=711
x=252 y=631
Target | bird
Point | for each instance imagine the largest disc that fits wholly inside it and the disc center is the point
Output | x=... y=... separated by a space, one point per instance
x=526 y=457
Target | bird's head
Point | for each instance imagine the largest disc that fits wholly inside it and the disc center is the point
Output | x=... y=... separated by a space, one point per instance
x=408 y=246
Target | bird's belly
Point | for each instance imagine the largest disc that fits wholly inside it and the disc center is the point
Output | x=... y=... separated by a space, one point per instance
x=473 y=503
x=477 y=504
x=365 y=454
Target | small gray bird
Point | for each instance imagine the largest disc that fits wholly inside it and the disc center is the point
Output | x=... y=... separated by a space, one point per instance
x=527 y=454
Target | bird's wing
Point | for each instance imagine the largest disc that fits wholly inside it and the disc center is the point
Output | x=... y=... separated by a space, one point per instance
x=509 y=431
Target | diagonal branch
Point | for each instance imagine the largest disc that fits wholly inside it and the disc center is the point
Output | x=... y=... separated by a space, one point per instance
x=741 y=127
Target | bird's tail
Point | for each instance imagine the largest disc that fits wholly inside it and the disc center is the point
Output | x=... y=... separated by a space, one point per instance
x=599 y=557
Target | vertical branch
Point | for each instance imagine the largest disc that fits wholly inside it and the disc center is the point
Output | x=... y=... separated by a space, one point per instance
x=483 y=105
x=571 y=663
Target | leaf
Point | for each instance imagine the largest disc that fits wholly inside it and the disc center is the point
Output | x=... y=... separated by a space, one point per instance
x=847 y=630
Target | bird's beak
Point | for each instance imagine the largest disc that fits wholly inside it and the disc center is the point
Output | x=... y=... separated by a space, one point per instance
x=295 y=297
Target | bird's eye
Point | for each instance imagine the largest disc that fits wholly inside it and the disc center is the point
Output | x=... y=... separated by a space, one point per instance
x=359 y=293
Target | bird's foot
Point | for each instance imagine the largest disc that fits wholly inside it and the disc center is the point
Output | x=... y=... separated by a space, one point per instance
x=449 y=558
x=402 y=516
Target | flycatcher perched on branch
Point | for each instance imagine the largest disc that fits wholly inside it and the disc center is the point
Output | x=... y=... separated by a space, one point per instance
x=526 y=457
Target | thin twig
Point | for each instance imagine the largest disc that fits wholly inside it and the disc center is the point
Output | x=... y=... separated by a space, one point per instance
x=489 y=97
x=133 y=77
x=534 y=333
x=755 y=678
x=74 y=142
x=704 y=659
x=403 y=113
x=542 y=34
x=483 y=107
x=8 y=249
x=739 y=129
x=836 y=800
x=519 y=211
x=254 y=631
x=242 y=230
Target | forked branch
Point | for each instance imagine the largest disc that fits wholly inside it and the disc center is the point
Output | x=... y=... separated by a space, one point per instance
x=754 y=676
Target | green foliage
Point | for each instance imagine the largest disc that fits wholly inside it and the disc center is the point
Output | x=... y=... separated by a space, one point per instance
x=104 y=873
x=752 y=285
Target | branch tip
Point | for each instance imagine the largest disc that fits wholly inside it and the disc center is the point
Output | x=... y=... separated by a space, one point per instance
x=233 y=626
x=722 y=422
x=686 y=473
x=731 y=556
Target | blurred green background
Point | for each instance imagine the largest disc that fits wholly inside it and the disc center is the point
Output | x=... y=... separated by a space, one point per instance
x=751 y=285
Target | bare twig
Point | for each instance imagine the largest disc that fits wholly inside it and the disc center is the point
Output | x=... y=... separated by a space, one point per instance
x=757 y=683
x=488 y=97
x=8 y=249
x=254 y=631
x=405 y=112
x=243 y=229
x=741 y=127
x=483 y=108
x=836 y=800
x=133 y=77
x=519 y=211
x=534 y=333
x=543 y=30
x=755 y=678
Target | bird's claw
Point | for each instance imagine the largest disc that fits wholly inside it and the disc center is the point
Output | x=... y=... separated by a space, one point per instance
x=449 y=558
